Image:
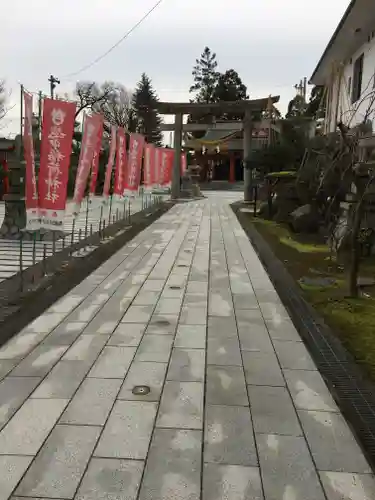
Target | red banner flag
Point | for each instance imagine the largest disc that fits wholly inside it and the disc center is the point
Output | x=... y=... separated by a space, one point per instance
x=95 y=159
x=121 y=164
x=56 y=147
x=31 y=188
x=158 y=152
x=111 y=158
x=149 y=167
x=89 y=140
x=136 y=145
x=167 y=157
x=183 y=164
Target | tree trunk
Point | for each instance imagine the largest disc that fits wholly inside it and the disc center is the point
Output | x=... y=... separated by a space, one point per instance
x=355 y=249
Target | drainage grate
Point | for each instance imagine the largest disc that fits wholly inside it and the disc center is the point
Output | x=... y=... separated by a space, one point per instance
x=175 y=287
x=141 y=390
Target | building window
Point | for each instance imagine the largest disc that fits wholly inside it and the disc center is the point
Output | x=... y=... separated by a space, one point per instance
x=357 y=79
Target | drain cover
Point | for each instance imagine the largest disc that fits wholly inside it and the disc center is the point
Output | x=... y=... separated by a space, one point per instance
x=141 y=390
x=175 y=287
x=162 y=322
x=182 y=265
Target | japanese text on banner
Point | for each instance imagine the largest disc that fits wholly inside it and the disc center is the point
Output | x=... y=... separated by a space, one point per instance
x=95 y=159
x=136 y=145
x=56 y=147
x=111 y=158
x=149 y=167
x=121 y=164
x=89 y=141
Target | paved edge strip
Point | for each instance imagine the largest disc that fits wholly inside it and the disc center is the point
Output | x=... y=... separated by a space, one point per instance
x=354 y=394
x=62 y=281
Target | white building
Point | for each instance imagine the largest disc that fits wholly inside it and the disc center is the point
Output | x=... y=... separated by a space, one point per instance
x=347 y=68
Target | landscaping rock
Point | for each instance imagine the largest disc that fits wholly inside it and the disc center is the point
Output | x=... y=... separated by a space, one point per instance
x=323 y=281
x=304 y=219
x=363 y=281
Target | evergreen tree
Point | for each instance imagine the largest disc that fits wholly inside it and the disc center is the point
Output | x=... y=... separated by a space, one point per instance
x=149 y=121
x=205 y=77
x=316 y=105
x=230 y=87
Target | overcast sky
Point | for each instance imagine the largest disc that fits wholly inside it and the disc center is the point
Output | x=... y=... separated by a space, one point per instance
x=271 y=43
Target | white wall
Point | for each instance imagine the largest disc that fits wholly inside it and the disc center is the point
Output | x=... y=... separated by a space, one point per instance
x=352 y=114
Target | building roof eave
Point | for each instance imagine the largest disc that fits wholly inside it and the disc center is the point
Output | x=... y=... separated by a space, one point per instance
x=332 y=40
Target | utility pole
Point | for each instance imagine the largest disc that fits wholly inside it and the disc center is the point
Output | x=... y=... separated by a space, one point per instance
x=53 y=81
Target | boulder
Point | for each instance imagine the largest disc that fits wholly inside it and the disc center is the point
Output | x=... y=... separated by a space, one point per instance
x=304 y=219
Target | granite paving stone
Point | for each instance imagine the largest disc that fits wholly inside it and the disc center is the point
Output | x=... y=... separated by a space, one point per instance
x=84 y=313
x=293 y=355
x=45 y=323
x=149 y=374
x=155 y=348
x=127 y=335
x=62 y=381
x=138 y=314
x=287 y=469
x=26 y=431
x=67 y=303
x=127 y=432
x=19 y=346
x=181 y=405
x=162 y=324
x=332 y=444
x=223 y=351
x=65 y=334
x=231 y=482
x=6 y=365
x=178 y=474
x=92 y=402
x=193 y=316
x=61 y=463
x=222 y=327
x=226 y=386
x=113 y=362
x=273 y=411
x=12 y=469
x=176 y=350
x=86 y=348
x=309 y=391
x=111 y=479
x=146 y=298
x=347 y=486
x=190 y=337
x=13 y=392
x=187 y=365
x=256 y=339
x=40 y=361
x=262 y=368
x=229 y=436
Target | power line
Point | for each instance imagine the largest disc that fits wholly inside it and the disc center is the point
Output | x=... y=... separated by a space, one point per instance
x=84 y=68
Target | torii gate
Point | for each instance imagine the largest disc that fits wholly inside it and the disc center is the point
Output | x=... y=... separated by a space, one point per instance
x=246 y=108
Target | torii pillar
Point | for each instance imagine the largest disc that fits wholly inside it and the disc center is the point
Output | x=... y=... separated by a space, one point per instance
x=247 y=174
x=176 y=177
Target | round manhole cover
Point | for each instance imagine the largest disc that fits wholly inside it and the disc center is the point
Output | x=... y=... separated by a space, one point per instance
x=141 y=390
x=175 y=287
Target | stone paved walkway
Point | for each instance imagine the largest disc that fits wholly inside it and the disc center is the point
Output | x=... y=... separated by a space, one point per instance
x=236 y=408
